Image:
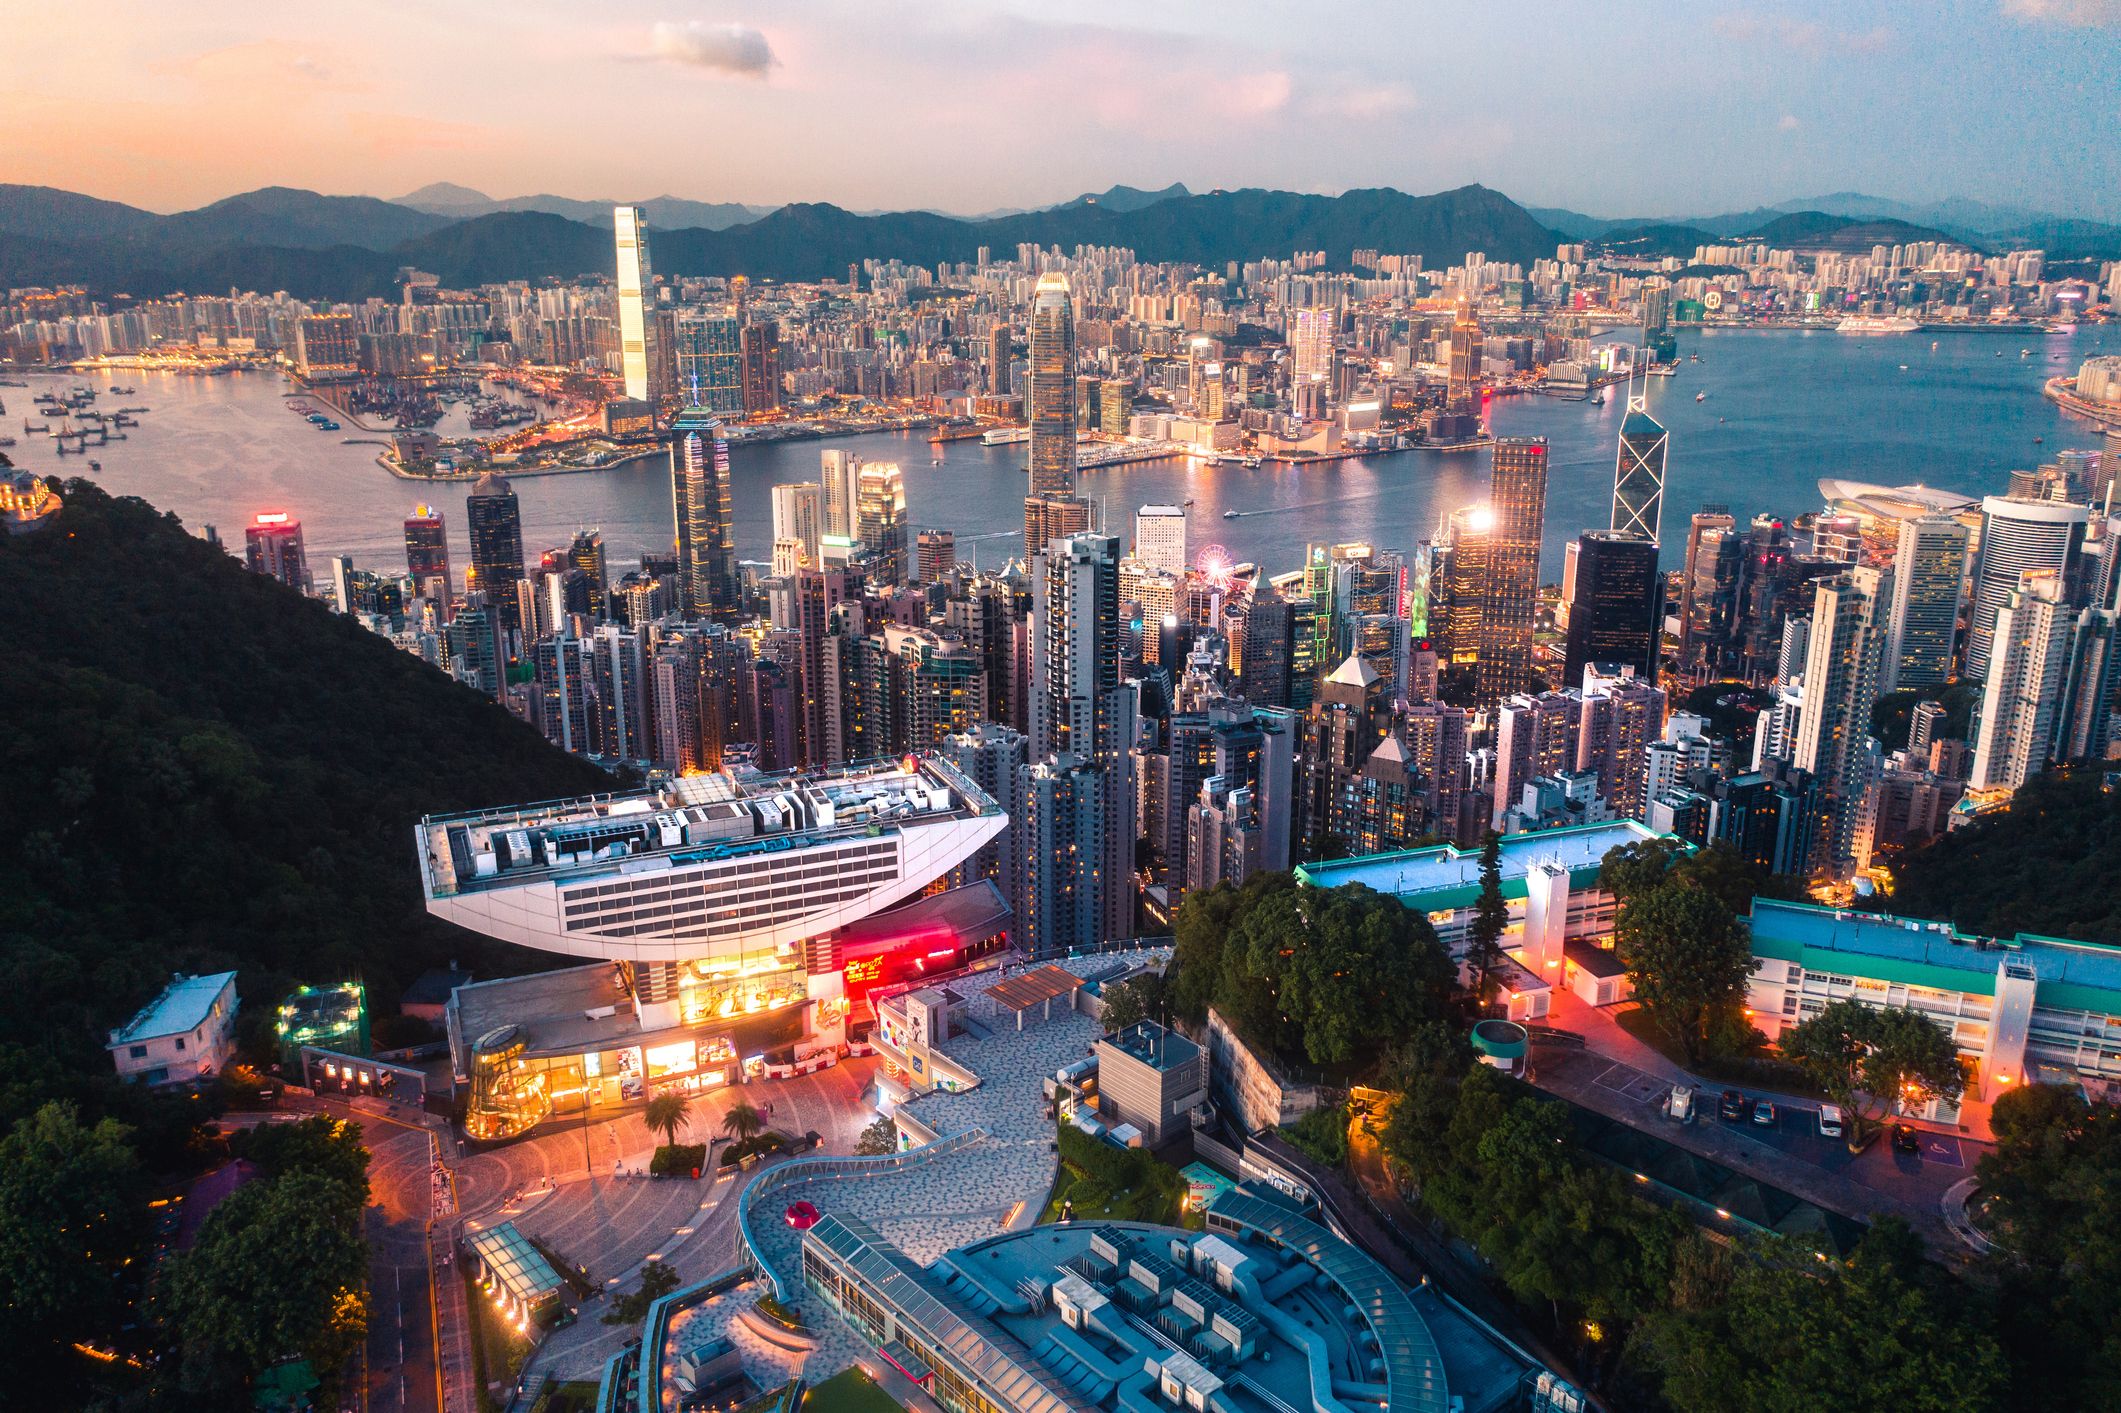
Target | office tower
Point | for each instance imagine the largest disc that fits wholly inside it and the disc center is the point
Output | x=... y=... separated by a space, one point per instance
x=586 y=553
x=999 y=352
x=1311 y=345
x=1929 y=578
x=1656 y=307
x=1115 y=398
x=1160 y=537
x=1263 y=645
x=272 y=546
x=1840 y=685
x=1051 y=402
x=2018 y=537
x=934 y=556
x=840 y=478
x=798 y=515
x=761 y=345
x=342 y=582
x=699 y=503
x=427 y=549
x=1615 y=607
x=1460 y=588
x=496 y=524
x=1509 y=597
x=1465 y=364
x=640 y=357
x=1708 y=590
x=1638 y=476
x=880 y=521
x=2022 y=695
x=1050 y=518
x=1925 y=724
x=710 y=363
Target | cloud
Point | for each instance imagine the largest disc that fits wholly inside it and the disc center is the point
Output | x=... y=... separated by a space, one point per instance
x=1807 y=37
x=2087 y=13
x=1367 y=102
x=1789 y=123
x=728 y=49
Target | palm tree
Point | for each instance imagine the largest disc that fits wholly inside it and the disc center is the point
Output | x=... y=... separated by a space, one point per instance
x=742 y=1121
x=667 y=1113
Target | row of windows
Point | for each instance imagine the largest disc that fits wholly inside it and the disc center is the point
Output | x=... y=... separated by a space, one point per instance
x=746 y=919
x=736 y=889
x=736 y=868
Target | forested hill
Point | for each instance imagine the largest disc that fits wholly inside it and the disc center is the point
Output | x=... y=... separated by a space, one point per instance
x=2050 y=864
x=203 y=770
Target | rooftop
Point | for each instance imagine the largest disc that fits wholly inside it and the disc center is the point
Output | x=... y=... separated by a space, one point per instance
x=1447 y=877
x=182 y=1008
x=696 y=819
x=1154 y=1046
x=2081 y=975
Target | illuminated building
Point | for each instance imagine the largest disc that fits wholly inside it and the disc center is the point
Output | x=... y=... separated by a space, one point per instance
x=1638 y=476
x=1160 y=537
x=1708 y=590
x=1929 y=585
x=1615 y=605
x=702 y=907
x=496 y=524
x=710 y=364
x=1509 y=597
x=1460 y=391
x=761 y=345
x=798 y=516
x=699 y=499
x=327 y=346
x=427 y=549
x=880 y=521
x=1841 y=669
x=322 y=1018
x=2018 y=537
x=1050 y=518
x=935 y=556
x=586 y=553
x=640 y=352
x=1051 y=400
x=1311 y=345
x=841 y=476
x=272 y=546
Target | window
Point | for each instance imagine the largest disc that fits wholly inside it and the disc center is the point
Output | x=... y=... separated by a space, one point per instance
x=138 y=1052
x=180 y=1042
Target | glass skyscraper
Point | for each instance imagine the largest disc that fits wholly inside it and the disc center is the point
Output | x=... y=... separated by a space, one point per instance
x=1051 y=401
x=1517 y=499
x=710 y=360
x=496 y=524
x=699 y=502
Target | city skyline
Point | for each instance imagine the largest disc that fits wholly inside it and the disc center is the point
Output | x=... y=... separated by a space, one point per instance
x=1753 y=105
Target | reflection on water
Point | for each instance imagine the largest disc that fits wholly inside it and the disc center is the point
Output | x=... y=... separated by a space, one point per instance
x=1783 y=409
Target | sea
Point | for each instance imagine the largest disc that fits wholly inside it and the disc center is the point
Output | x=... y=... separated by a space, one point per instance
x=1757 y=418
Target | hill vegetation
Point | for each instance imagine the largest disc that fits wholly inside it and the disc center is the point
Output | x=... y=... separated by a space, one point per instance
x=2047 y=864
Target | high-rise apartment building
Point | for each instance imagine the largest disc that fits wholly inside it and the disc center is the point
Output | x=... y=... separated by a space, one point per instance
x=586 y=554
x=640 y=356
x=2022 y=695
x=496 y=524
x=1929 y=579
x=1841 y=672
x=1517 y=498
x=272 y=546
x=1000 y=351
x=934 y=556
x=327 y=346
x=1051 y=402
x=2018 y=537
x=1050 y=518
x=427 y=549
x=699 y=502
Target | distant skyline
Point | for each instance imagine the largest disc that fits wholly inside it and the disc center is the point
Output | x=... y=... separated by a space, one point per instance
x=1661 y=107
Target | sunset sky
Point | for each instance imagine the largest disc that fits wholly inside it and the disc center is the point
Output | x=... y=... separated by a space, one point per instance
x=1649 y=107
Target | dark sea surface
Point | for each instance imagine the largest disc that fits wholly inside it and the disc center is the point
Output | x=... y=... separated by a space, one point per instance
x=1783 y=409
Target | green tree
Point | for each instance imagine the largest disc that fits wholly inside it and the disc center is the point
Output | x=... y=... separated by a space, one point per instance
x=279 y=1269
x=878 y=1139
x=1869 y=1058
x=72 y=1210
x=667 y=1113
x=1687 y=958
x=742 y=1122
x=657 y=1281
x=1490 y=916
x=1132 y=1002
x=319 y=1144
x=1198 y=933
x=1630 y=870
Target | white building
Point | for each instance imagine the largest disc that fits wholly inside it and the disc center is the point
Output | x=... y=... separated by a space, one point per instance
x=184 y=1035
x=1160 y=537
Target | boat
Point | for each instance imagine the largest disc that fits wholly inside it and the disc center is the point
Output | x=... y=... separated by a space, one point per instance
x=123 y=392
x=1232 y=514
x=1598 y=401
x=7 y=441
x=1878 y=324
x=2038 y=440
x=1701 y=397
x=1933 y=345
x=1903 y=367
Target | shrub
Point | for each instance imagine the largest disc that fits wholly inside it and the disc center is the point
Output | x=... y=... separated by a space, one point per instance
x=677 y=1159
x=1321 y=1135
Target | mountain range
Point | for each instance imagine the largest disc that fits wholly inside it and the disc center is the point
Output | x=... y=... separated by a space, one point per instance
x=352 y=247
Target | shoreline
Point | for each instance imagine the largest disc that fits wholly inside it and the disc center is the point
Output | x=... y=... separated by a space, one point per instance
x=2062 y=392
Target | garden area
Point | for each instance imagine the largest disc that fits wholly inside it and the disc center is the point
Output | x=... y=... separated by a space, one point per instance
x=1100 y=1181
x=849 y=1391
x=498 y=1348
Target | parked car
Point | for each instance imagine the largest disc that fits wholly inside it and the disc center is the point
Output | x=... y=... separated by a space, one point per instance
x=1830 y=1121
x=1905 y=1139
x=1764 y=1112
x=1731 y=1108
x=1681 y=1104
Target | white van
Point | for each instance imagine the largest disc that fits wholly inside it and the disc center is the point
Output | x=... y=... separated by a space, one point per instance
x=1830 y=1121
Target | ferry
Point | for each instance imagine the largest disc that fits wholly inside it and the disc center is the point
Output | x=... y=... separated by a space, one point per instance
x=1006 y=436
x=1878 y=324
x=1701 y=397
x=1232 y=514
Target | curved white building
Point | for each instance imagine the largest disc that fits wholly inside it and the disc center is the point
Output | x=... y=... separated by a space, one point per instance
x=2018 y=537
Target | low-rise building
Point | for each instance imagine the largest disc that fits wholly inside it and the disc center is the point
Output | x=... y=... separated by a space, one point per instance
x=185 y=1035
x=1151 y=1079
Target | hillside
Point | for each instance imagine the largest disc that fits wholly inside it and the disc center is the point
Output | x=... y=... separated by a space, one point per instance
x=2046 y=865
x=1816 y=230
x=1657 y=240
x=205 y=770
x=343 y=247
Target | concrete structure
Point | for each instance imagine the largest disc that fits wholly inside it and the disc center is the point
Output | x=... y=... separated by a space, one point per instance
x=1151 y=1079
x=1247 y=1085
x=2018 y=537
x=1560 y=918
x=186 y=1034
x=1266 y=1310
x=2025 y=1010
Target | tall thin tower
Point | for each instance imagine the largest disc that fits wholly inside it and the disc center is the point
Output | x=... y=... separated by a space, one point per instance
x=1052 y=393
x=637 y=351
x=699 y=503
x=1509 y=597
x=1638 y=476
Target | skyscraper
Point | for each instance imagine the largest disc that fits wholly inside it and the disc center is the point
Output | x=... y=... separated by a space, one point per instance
x=880 y=521
x=699 y=502
x=272 y=546
x=1311 y=345
x=841 y=476
x=1708 y=589
x=1840 y=685
x=1508 y=601
x=1616 y=606
x=1051 y=403
x=762 y=368
x=1160 y=537
x=935 y=556
x=427 y=548
x=586 y=554
x=2018 y=537
x=1638 y=476
x=640 y=359
x=2029 y=668
x=710 y=364
x=496 y=524
x=1465 y=363
x=1929 y=577
x=1050 y=518
x=798 y=515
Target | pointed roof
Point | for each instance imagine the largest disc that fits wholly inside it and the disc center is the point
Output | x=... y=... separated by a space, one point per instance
x=1355 y=672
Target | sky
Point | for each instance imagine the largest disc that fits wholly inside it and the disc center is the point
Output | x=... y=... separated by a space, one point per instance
x=1643 y=107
